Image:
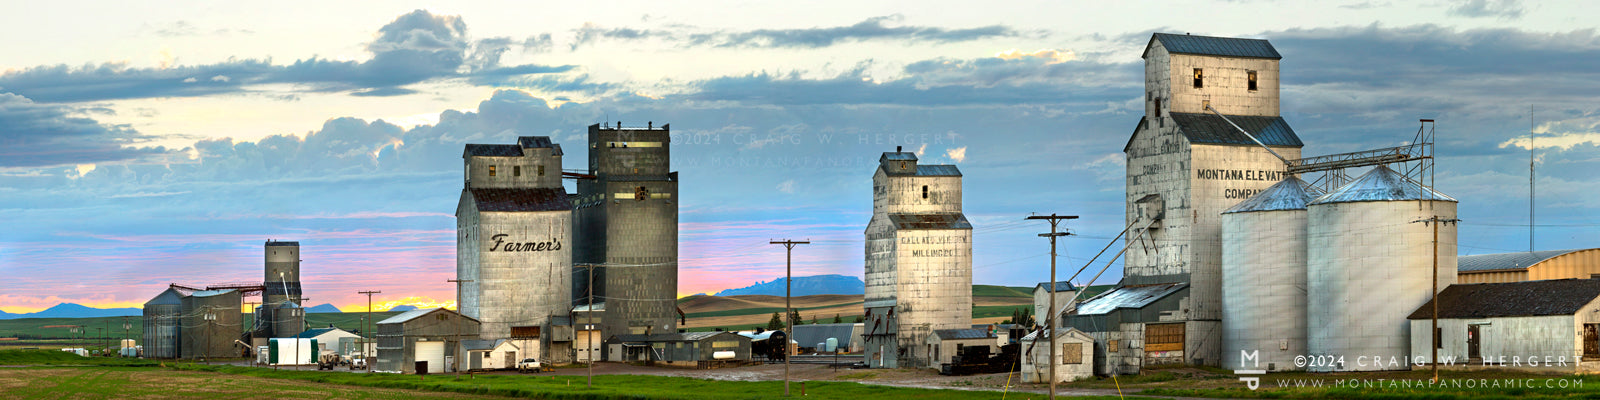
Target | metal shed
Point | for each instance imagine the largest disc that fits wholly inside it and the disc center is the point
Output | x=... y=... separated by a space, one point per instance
x=691 y=349
x=1544 y=326
x=432 y=335
x=161 y=324
x=846 y=334
x=211 y=323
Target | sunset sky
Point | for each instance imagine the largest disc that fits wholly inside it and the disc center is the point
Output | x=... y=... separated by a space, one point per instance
x=146 y=143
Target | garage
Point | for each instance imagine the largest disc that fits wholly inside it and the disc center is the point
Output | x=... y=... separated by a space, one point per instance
x=431 y=335
x=433 y=354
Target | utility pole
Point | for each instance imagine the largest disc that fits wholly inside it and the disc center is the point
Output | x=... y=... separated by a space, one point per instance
x=588 y=334
x=365 y=333
x=456 y=361
x=1050 y=320
x=211 y=319
x=125 y=327
x=788 y=307
x=1436 y=221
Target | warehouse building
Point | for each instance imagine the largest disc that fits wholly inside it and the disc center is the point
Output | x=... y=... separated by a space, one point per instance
x=918 y=260
x=1543 y=326
x=626 y=216
x=211 y=324
x=1074 y=357
x=1529 y=266
x=689 y=350
x=432 y=336
x=942 y=346
x=1185 y=166
x=514 y=245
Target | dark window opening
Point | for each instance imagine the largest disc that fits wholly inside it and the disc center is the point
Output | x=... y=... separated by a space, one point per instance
x=1251 y=78
x=491 y=170
x=1158 y=108
x=1438 y=338
x=924 y=191
x=516 y=170
x=1199 y=78
x=541 y=170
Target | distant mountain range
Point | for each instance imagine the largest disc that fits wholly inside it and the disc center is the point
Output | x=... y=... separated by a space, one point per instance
x=804 y=286
x=404 y=307
x=70 y=310
x=323 y=308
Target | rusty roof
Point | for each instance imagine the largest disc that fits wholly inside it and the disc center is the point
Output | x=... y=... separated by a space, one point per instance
x=1512 y=299
x=537 y=199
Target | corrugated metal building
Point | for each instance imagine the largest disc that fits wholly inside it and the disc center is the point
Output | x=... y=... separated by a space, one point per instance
x=626 y=218
x=1184 y=167
x=1544 y=326
x=161 y=322
x=918 y=259
x=691 y=349
x=845 y=334
x=941 y=346
x=514 y=239
x=431 y=335
x=211 y=323
x=1529 y=266
x=1264 y=278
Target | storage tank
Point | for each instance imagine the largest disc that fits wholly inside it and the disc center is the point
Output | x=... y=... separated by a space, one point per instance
x=161 y=324
x=288 y=320
x=1264 y=278
x=1369 y=265
x=211 y=324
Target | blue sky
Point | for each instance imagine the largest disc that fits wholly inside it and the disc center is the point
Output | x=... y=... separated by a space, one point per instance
x=158 y=142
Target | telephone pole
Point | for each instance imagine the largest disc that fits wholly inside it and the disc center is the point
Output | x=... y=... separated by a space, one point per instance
x=455 y=362
x=1050 y=320
x=365 y=333
x=788 y=307
x=588 y=334
x=1436 y=221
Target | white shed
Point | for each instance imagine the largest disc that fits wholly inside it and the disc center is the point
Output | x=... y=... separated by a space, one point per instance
x=491 y=354
x=333 y=340
x=1074 y=354
x=1065 y=292
x=1544 y=326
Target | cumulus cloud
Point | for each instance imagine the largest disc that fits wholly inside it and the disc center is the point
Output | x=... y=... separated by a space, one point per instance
x=958 y=154
x=36 y=135
x=415 y=47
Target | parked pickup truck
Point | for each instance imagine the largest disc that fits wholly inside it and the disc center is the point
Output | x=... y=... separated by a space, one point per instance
x=529 y=365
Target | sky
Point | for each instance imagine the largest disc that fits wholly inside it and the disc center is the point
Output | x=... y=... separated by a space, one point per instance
x=157 y=142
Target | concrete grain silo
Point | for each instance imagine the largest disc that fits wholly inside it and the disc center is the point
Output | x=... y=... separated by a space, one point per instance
x=1264 y=278
x=1369 y=265
x=161 y=324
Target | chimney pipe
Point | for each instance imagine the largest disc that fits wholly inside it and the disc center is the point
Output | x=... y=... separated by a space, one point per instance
x=897 y=149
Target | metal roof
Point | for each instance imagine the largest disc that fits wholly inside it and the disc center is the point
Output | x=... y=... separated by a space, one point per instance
x=1504 y=261
x=898 y=156
x=1128 y=297
x=1062 y=286
x=756 y=337
x=512 y=200
x=1380 y=184
x=494 y=150
x=958 y=334
x=599 y=306
x=1211 y=129
x=1512 y=299
x=167 y=297
x=413 y=314
x=906 y=221
x=672 y=337
x=1064 y=332
x=484 y=344
x=938 y=170
x=1288 y=194
x=311 y=333
x=808 y=335
x=1215 y=46
x=209 y=293
x=278 y=243
x=542 y=142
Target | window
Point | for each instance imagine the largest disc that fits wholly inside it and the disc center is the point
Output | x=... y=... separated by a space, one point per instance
x=1163 y=337
x=1199 y=78
x=924 y=191
x=725 y=344
x=541 y=170
x=525 y=332
x=1158 y=108
x=1250 y=77
x=1438 y=338
x=491 y=170
x=516 y=170
x=1072 y=353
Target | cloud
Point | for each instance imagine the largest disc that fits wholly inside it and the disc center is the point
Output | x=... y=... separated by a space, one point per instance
x=38 y=135
x=871 y=29
x=1503 y=9
x=415 y=47
x=958 y=154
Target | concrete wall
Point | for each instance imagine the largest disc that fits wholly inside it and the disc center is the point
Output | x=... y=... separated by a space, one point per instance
x=515 y=172
x=1368 y=268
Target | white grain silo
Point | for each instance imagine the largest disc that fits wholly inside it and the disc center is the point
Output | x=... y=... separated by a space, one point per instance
x=1369 y=264
x=1264 y=278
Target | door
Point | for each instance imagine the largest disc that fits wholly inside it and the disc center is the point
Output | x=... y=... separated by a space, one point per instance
x=433 y=353
x=1473 y=338
x=511 y=360
x=475 y=361
x=1591 y=340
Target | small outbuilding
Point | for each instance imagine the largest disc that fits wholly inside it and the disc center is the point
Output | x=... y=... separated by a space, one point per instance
x=1065 y=292
x=333 y=340
x=488 y=355
x=843 y=335
x=943 y=345
x=1544 y=326
x=691 y=349
x=425 y=338
x=1074 y=355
